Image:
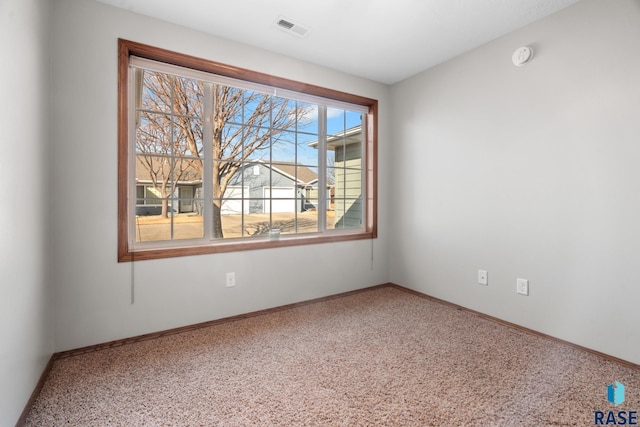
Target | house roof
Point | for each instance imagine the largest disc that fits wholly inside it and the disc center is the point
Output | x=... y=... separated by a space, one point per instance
x=301 y=174
x=160 y=166
x=347 y=137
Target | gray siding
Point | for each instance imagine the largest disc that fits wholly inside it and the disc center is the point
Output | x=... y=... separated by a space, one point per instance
x=257 y=183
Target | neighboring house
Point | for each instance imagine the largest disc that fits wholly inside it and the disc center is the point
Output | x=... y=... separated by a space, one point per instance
x=280 y=187
x=149 y=197
x=289 y=190
x=348 y=177
x=292 y=189
x=347 y=192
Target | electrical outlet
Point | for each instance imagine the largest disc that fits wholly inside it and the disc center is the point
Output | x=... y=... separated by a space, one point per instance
x=483 y=277
x=231 y=280
x=522 y=286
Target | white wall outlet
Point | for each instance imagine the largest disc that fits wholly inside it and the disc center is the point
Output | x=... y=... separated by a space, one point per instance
x=522 y=286
x=231 y=279
x=483 y=277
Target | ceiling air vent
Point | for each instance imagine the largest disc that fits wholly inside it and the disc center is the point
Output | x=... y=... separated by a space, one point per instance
x=291 y=27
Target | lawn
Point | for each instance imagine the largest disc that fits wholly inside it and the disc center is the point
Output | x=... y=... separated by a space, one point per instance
x=190 y=226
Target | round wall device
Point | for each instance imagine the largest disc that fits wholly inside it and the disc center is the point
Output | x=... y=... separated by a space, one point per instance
x=522 y=55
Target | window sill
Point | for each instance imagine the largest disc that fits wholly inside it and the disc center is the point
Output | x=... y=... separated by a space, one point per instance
x=125 y=255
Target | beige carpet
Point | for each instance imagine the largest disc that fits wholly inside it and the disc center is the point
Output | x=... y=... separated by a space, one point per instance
x=380 y=357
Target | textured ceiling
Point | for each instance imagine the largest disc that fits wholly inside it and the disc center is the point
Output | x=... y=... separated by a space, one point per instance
x=382 y=40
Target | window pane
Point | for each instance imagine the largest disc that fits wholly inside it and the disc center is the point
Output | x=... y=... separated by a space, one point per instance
x=139 y=194
x=335 y=121
x=153 y=134
x=257 y=143
x=253 y=176
x=283 y=114
x=341 y=123
x=151 y=228
x=307 y=149
x=283 y=147
x=256 y=109
x=187 y=134
x=232 y=204
x=331 y=219
x=186 y=224
x=348 y=183
x=175 y=226
x=155 y=92
x=278 y=200
x=353 y=119
x=310 y=198
x=227 y=142
x=344 y=172
x=348 y=191
x=348 y=188
x=155 y=172
x=296 y=222
x=232 y=214
x=307 y=118
x=348 y=151
x=231 y=222
x=148 y=200
x=308 y=221
x=290 y=175
x=285 y=222
x=224 y=172
x=348 y=213
x=228 y=105
x=188 y=97
x=187 y=171
x=257 y=224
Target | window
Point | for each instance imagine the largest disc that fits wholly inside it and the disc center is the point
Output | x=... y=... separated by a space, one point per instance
x=214 y=158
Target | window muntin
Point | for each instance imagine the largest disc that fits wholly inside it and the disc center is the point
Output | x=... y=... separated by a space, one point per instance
x=279 y=159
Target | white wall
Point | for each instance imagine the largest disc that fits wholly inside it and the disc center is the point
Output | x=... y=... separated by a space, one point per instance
x=526 y=172
x=529 y=172
x=92 y=291
x=26 y=335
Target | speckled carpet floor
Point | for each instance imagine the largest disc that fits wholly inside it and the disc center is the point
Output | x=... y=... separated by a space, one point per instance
x=380 y=357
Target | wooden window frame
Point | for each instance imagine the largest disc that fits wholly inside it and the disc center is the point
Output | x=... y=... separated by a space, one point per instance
x=128 y=48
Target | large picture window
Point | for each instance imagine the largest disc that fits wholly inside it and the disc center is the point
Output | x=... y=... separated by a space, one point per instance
x=214 y=158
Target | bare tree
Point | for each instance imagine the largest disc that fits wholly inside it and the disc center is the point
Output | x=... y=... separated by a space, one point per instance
x=170 y=126
x=163 y=152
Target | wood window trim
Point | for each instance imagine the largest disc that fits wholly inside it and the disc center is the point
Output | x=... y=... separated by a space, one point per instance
x=128 y=48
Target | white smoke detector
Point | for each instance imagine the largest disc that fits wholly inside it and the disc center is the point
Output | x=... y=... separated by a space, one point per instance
x=522 y=55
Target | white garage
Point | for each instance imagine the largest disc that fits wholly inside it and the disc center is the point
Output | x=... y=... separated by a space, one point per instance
x=279 y=202
x=232 y=203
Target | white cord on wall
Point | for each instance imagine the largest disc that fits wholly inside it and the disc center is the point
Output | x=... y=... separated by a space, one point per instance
x=371 y=254
x=133 y=293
